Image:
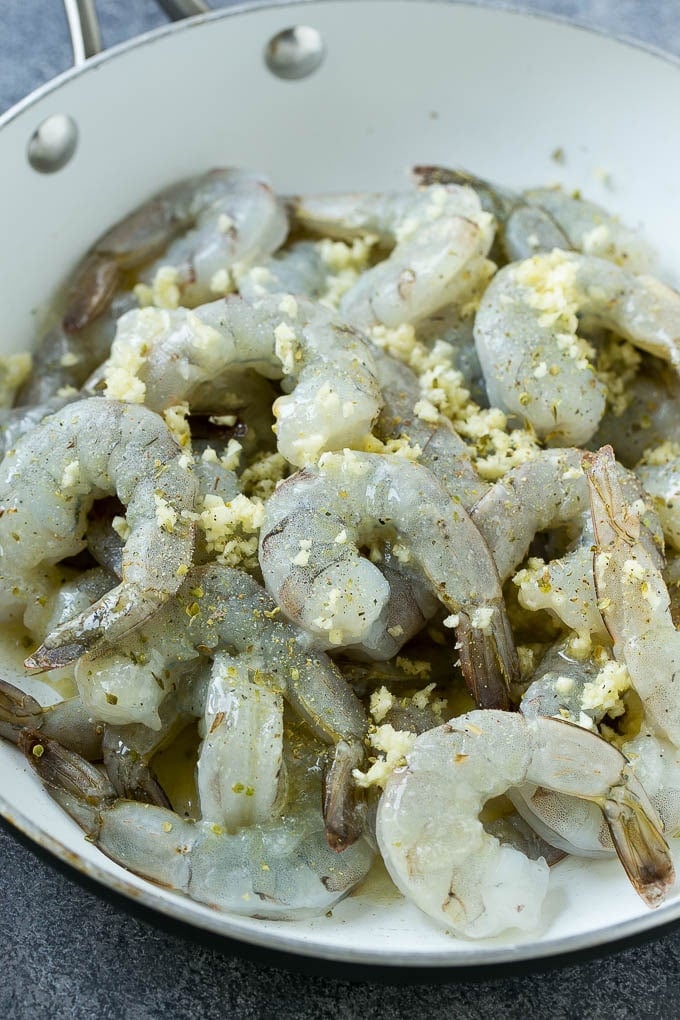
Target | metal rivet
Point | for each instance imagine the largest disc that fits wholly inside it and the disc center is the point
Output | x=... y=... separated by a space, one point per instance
x=53 y=143
x=295 y=52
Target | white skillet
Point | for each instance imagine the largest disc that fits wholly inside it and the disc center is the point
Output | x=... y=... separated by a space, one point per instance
x=400 y=82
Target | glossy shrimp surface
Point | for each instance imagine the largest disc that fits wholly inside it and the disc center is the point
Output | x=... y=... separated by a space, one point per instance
x=344 y=523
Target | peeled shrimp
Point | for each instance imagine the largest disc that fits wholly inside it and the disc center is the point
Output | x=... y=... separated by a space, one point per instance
x=49 y=481
x=315 y=523
x=634 y=600
x=541 y=219
x=533 y=360
x=634 y=605
x=326 y=364
x=651 y=417
x=239 y=771
x=545 y=493
x=281 y=869
x=222 y=608
x=442 y=450
x=224 y=216
x=437 y=850
x=440 y=237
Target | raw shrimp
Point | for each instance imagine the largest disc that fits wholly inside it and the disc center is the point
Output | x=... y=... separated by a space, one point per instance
x=588 y=227
x=557 y=684
x=69 y=721
x=315 y=523
x=440 y=237
x=442 y=450
x=281 y=869
x=222 y=608
x=634 y=605
x=225 y=216
x=651 y=417
x=239 y=772
x=299 y=270
x=49 y=481
x=17 y=421
x=536 y=365
x=64 y=360
x=633 y=597
x=660 y=477
x=335 y=399
x=557 y=689
x=545 y=493
x=125 y=752
x=541 y=219
x=438 y=852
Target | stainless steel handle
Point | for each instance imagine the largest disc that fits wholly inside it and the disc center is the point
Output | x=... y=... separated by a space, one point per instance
x=83 y=23
x=178 y=9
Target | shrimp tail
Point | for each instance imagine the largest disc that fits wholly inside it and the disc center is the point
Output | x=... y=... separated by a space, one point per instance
x=111 y=617
x=130 y=772
x=45 y=658
x=79 y=787
x=341 y=804
x=17 y=711
x=91 y=292
x=612 y=519
x=638 y=840
x=488 y=659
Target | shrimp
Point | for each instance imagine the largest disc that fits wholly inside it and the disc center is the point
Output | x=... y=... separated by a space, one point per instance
x=443 y=859
x=544 y=374
x=222 y=608
x=543 y=494
x=659 y=474
x=239 y=772
x=442 y=450
x=125 y=752
x=541 y=219
x=299 y=270
x=17 y=421
x=280 y=869
x=68 y=722
x=316 y=522
x=650 y=418
x=440 y=237
x=225 y=216
x=634 y=605
x=49 y=481
x=634 y=600
x=177 y=353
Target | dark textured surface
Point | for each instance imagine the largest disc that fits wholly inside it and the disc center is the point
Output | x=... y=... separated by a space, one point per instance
x=68 y=953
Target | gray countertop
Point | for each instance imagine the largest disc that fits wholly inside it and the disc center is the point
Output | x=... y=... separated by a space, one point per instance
x=68 y=953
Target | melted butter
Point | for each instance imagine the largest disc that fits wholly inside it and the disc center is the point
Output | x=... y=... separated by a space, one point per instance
x=175 y=767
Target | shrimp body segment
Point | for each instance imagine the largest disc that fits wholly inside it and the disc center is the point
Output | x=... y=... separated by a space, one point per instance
x=439 y=238
x=541 y=219
x=326 y=364
x=315 y=524
x=281 y=869
x=533 y=360
x=225 y=216
x=634 y=600
x=47 y=485
x=438 y=852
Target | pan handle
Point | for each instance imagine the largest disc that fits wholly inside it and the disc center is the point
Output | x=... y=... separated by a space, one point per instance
x=83 y=23
x=178 y=9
